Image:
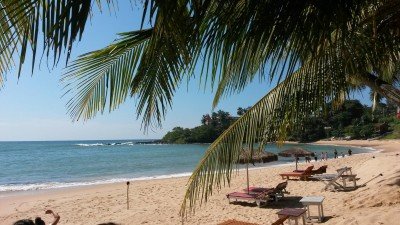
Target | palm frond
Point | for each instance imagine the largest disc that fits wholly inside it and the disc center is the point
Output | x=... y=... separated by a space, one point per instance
x=165 y=61
x=157 y=69
x=23 y=23
x=104 y=76
x=300 y=95
x=238 y=59
x=241 y=37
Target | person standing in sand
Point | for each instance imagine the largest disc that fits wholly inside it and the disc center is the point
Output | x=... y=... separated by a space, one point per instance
x=349 y=151
x=315 y=157
x=38 y=220
x=335 y=153
x=322 y=156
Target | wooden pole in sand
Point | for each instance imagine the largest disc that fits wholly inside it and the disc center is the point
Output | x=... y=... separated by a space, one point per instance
x=127 y=195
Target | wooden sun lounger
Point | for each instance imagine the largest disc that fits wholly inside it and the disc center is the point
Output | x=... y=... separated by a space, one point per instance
x=258 y=198
x=302 y=175
x=320 y=170
x=275 y=193
x=280 y=221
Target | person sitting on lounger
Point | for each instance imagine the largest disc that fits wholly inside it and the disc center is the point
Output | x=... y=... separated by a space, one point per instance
x=39 y=221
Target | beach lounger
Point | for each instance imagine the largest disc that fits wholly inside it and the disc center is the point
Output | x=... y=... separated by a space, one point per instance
x=280 y=221
x=302 y=175
x=274 y=193
x=320 y=170
x=332 y=180
x=259 y=198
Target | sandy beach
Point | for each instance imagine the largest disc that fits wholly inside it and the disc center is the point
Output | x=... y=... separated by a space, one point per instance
x=158 y=201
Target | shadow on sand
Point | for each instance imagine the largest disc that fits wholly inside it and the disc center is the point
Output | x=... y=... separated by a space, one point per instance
x=286 y=202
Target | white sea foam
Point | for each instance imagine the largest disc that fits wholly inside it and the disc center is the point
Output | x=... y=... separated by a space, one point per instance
x=52 y=185
x=87 y=145
x=153 y=144
x=106 y=144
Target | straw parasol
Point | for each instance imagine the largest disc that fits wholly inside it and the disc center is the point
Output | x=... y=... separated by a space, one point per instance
x=295 y=152
x=258 y=157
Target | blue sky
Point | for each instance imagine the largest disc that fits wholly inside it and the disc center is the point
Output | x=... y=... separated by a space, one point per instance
x=33 y=107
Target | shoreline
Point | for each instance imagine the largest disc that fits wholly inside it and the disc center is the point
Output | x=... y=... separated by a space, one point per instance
x=158 y=201
x=48 y=186
x=385 y=146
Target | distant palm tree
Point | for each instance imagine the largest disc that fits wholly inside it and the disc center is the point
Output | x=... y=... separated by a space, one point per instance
x=318 y=50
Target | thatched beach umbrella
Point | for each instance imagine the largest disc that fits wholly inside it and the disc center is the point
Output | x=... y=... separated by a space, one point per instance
x=258 y=157
x=295 y=152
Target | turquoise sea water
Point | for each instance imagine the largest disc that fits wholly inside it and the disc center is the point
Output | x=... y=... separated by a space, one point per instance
x=52 y=164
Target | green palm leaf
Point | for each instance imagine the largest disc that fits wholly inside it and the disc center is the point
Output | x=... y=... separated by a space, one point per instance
x=23 y=23
x=148 y=64
x=107 y=72
x=284 y=107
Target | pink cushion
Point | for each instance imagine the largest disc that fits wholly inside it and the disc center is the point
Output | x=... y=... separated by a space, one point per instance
x=257 y=189
x=241 y=195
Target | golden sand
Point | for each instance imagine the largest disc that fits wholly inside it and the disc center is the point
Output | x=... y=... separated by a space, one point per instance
x=158 y=201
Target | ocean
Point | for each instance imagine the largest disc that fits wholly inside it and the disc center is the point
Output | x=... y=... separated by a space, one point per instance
x=54 y=164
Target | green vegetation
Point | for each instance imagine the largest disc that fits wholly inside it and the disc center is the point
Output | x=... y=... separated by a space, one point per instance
x=395 y=126
x=351 y=120
x=212 y=126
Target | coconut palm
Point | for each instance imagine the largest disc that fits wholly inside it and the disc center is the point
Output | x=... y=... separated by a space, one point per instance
x=318 y=50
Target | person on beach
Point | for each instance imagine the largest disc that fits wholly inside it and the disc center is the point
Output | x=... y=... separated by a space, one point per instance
x=322 y=156
x=349 y=151
x=38 y=220
x=342 y=154
x=335 y=153
x=315 y=157
x=326 y=156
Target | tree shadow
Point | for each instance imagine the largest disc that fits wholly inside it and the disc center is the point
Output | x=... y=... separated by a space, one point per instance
x=396 y=182
x=286 y=202
x=396 y=179
x=326 y=218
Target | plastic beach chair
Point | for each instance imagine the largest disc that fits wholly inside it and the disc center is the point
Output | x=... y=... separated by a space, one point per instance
x=331 y=180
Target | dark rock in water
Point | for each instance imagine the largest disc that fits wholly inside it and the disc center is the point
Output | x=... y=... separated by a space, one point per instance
x=149 y=142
